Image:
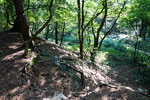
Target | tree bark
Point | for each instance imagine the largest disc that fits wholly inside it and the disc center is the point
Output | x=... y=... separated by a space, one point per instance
x=79 y=28
x=23 y=26
x=63 y=32
x=82 y=27
x=47 y=32
x=56 y=33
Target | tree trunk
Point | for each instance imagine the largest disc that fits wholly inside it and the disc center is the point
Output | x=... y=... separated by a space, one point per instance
x=79 y=27
x=56 y=33
x=96 y=39
x=142 y=28
x=23 y=26
x=110 y=30
x=88 y=38
x=63 y=32
x=47 y=33
x=135 y=49
x=82 y=27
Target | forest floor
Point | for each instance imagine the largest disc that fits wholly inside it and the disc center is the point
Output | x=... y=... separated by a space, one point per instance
x=57 y=70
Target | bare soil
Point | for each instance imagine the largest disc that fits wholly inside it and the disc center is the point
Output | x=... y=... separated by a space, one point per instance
x=57 y=70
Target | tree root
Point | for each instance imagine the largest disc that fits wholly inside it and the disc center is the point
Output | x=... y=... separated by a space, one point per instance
x=82 y=79
x=104 y=85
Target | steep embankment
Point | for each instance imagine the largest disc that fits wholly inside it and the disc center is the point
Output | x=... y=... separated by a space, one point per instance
x=58 y=70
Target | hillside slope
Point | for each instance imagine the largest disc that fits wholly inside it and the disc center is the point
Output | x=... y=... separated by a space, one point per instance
x=57 y=70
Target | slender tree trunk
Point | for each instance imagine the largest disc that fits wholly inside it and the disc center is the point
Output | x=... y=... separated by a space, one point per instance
x=142 y=28
x=63 y=32
x=79 y=27
x=96 y=39
x=136 y=48
x=96 y=36
x=88 y=38
x=47 y=33
x=145 y=31
x=56 y=33
x=82 y=27
x=110 y=30
x=24 y=28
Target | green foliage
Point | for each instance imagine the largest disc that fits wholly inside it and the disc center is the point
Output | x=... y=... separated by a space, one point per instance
x=115 y=57
x=115 y=44
x=73 y=47
x=138 y=10
x=144 y=69
x=144 y=46
x=2 y=1
x=144 y=59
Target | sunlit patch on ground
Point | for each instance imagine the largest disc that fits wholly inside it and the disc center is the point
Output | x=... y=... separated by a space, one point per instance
x=13 y=56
